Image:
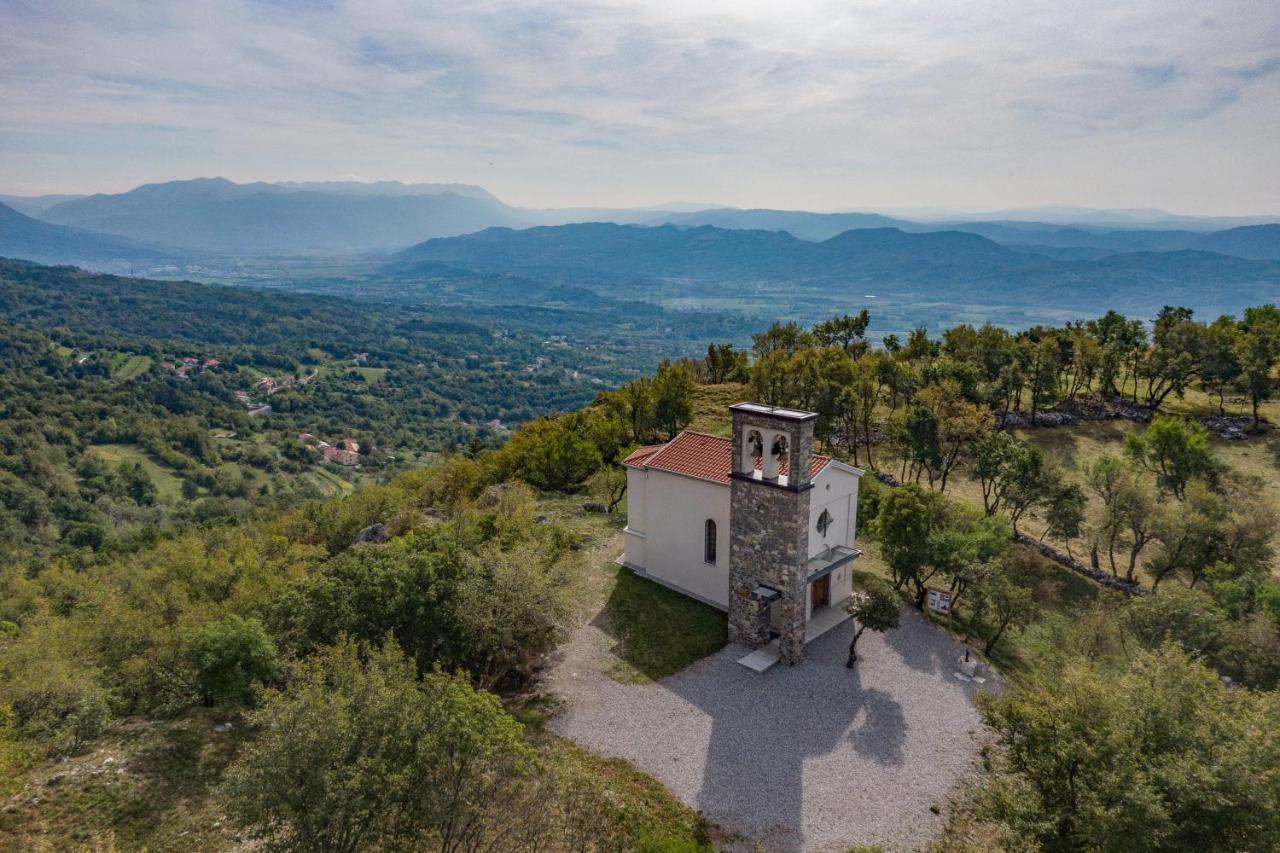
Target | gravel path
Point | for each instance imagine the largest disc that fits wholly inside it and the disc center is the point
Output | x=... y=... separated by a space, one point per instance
x=810 y=757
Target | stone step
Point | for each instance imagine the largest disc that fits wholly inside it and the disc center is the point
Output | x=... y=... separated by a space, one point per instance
x=762 y=658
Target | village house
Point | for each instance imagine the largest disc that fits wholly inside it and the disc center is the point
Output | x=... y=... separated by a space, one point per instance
x=756 y=525
x=345 y=452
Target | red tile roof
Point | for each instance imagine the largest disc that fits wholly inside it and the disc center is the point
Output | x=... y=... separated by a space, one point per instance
x=698 y=454
x=640 y=454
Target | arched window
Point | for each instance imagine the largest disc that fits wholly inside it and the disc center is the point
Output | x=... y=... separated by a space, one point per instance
x=709 y=541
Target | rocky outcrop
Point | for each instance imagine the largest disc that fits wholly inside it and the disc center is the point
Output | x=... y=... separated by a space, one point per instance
x=374 y=534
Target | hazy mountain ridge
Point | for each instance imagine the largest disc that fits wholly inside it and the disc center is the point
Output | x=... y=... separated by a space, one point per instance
x=31 y=239
x=214 y=214
x=770 y=267
x=219 y=216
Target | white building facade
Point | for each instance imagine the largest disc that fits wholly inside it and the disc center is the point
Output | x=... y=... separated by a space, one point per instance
x=679 y=505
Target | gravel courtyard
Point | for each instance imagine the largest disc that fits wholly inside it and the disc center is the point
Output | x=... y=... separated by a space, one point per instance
x=811 y=757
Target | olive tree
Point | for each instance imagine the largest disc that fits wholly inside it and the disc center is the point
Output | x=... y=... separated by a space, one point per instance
x=875 y=606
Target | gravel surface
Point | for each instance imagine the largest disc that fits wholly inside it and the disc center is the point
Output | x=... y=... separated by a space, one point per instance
x=810 y=757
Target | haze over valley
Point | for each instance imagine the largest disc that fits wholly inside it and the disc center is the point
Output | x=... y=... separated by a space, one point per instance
x=454 y=244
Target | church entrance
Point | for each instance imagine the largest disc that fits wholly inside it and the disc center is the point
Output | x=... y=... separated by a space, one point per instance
x=820 y=593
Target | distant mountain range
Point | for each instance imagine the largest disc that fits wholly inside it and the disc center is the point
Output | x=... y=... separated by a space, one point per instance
x=30 y=239
x=706 y=266
x=217 y=217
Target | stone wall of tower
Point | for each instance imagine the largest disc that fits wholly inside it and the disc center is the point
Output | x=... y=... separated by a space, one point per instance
x=769 y=536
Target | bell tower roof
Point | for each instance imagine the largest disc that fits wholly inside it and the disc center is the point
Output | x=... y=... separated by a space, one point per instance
x=773 y=412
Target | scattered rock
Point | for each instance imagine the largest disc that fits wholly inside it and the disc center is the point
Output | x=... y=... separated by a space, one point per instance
x=594 y=506
x=490 y=497
x=1228 y=427
x=223 y=728
x=373 y=534
x=541 y=519
x=56 y=779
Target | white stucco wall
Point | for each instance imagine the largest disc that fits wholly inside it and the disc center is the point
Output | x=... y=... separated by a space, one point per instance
x=835 y=490
x=673 y=509
x=635 y=536
x=666 y=513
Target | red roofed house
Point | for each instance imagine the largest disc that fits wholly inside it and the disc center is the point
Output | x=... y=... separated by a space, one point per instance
x=725 y=522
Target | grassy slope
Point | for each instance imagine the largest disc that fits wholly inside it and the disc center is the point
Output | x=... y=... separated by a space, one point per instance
x=125 y=367
x=168 y=484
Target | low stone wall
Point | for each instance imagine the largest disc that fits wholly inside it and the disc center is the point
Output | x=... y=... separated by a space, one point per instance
x=1096 y=575
x=1229 y=427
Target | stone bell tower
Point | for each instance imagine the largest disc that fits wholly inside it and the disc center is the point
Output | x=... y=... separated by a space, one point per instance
x=769 y=526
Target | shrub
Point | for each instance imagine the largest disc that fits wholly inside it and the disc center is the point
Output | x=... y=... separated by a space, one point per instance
x=230 y=657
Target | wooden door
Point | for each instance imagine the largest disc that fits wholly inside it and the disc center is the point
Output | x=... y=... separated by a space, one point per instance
x=821 y=592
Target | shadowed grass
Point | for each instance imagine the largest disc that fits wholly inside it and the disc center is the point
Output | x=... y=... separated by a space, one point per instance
x=657 y=631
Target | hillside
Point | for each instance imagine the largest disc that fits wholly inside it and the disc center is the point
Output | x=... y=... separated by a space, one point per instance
x=1248 y=241
x=33 y=240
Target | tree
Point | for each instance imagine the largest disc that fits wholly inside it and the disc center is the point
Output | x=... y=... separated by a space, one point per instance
x=1258 y=348
x=961 y=427
x=861 y=400
x=1174 y=359
x=357 y=755
x=610 y=484
x=923 y=449
x=725 y=363
x=638 y=402
x=1189 y=533
x=788 y=338
x=875 y=606
x=1042 y=358
x=562 y=461
x=673 y=396
x=1175 y=450
x=1004 y=604
x=906 y=518
x=849 y=332
x=1157 y=756
x=230 y=657
x=1106 y=477
x=513 y=607
x=1064 y=512
x=1220 y=367
x=1013 y=476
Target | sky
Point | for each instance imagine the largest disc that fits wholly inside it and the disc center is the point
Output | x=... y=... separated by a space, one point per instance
x=884 y=104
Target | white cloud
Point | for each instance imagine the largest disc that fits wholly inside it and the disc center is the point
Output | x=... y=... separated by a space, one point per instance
x=824 y=105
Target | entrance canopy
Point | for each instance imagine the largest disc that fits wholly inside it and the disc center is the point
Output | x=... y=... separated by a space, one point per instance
x=829 y=559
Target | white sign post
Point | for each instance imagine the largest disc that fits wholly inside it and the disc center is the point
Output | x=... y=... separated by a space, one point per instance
x=939 y=601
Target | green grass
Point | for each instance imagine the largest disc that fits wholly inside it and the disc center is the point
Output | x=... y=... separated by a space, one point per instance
x=372 y=375
x=147 y=785
x=711 y=406
x=656 y=631
x=130 y=367
x=168 y=484
x=327 y=481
